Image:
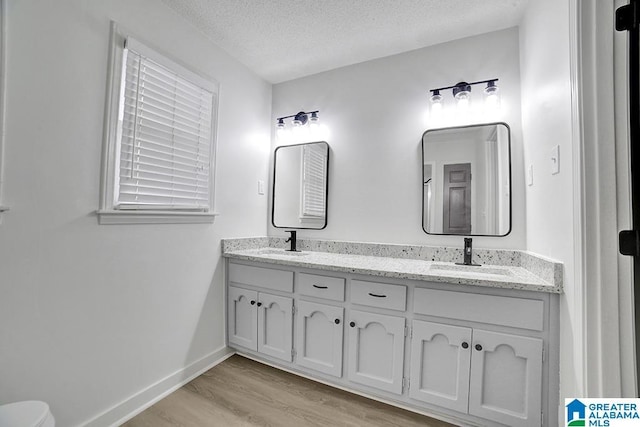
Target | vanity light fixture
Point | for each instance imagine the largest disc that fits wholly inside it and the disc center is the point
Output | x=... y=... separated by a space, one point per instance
x=304 y=125
x=299 y=119
x=462 y=94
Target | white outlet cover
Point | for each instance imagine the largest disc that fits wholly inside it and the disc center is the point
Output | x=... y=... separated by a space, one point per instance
x=555 y=160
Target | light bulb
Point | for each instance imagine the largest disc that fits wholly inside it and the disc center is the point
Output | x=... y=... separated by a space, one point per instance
x=435 y=112
x=298 y=131
x=436 y=109
x=281 y=130
x=436 y=102
x=462 y=94
x=491 y=96
x=463 y=102
x=314 y=125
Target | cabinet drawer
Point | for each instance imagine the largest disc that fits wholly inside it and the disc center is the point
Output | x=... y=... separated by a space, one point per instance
x=495 y=310
x=277 y=280
x=383 y=295
x=321 y=286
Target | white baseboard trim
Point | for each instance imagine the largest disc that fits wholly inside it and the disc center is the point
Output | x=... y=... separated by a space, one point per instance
x=132 y=406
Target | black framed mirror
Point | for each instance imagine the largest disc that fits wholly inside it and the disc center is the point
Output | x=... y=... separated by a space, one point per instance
x=300 y=186
x=466 y=175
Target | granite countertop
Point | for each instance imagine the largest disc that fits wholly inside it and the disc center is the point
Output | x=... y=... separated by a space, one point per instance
x=495 y=276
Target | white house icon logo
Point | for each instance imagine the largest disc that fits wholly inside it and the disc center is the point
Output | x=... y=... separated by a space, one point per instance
x=576 y=413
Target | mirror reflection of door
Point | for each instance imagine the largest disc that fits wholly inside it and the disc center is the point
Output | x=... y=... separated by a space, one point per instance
x=453 y=203
x=457 y=198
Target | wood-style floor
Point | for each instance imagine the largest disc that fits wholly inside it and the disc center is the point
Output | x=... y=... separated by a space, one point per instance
x=242 y=392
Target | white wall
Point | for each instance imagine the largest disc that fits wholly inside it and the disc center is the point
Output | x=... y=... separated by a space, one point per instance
x=90 y=314
x=375 y=113
x=545 y=56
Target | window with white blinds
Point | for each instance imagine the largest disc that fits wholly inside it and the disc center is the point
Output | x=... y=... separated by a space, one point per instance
x=164 y=138
x=314 y=165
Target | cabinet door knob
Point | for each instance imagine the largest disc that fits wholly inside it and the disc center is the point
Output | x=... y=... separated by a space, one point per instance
x=253 y=302
x=337 y=321
x=352 y=324
x=478 y=347
x=259 y=304
x=465 y=345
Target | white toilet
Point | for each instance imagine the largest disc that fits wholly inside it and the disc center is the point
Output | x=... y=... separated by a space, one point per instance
x=31 y=413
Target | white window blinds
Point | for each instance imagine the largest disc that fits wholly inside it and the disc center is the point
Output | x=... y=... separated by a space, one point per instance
x=165 y=135
x=314 y=165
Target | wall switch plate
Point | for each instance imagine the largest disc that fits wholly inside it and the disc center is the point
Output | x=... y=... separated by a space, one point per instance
x=530 y=175
x=555 y=160
x=261 y=187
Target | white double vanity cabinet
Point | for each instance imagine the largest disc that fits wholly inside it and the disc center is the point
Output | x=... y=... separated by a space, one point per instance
x=471 y=355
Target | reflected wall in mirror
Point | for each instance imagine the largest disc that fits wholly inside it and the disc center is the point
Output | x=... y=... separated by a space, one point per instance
x=300 y=186
x=467 y=180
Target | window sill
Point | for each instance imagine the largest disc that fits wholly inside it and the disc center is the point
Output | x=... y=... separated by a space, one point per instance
x=154 y=217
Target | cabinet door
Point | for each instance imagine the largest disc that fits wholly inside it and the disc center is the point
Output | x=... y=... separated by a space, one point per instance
x=440 y=364
x=319 y=332
x=275 y=326
x=376 y=350
x=506 y=378
x=243 y=318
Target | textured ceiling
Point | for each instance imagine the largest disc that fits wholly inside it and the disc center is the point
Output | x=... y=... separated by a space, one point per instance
x=282 y=40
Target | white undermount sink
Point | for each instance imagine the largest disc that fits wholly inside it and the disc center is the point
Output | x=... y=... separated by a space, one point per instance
x=471 y=270
x=278 y=251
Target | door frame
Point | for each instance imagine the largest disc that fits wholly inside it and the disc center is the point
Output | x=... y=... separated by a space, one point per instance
x=604 y=344
x=3 y=72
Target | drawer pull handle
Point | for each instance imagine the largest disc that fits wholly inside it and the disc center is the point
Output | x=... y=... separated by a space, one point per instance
x=352 y=324
x=465 y=345
x=319 y=287
x=253 y=303
x=377 y=296
x=478 y=347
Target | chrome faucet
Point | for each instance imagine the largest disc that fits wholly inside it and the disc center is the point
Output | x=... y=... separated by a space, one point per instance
x=467 y=253
x=293 y=240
